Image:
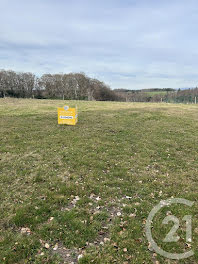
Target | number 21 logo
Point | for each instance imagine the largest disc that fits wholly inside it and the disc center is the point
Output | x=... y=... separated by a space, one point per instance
x=172 y=236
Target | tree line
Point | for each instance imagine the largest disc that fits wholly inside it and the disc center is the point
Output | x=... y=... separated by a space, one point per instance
x=167 y=95
x=182 y=96
x=77 y=86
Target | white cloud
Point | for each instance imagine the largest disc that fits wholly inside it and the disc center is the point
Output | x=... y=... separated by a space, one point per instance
x=130 y=44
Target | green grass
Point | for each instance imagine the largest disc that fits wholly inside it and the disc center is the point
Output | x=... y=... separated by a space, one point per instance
x=156 y=93
x=68 y=184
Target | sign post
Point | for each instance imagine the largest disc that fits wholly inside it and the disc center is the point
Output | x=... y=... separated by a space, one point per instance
x=67 y=116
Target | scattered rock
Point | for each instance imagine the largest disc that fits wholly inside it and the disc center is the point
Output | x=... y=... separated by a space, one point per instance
x=25 y=230
x=80 y=256
x=77 y=198
x=132 y=215
x=55 y=247
x=92 y=195
x=46 y=245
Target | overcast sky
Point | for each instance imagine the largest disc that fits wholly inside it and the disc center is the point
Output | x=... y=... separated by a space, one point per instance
x=126 y=43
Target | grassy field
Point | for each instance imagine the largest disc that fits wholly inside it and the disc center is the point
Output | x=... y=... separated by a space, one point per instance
x=83 y=193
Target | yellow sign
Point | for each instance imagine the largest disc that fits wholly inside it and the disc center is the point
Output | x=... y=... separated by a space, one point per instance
x=67 y=115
